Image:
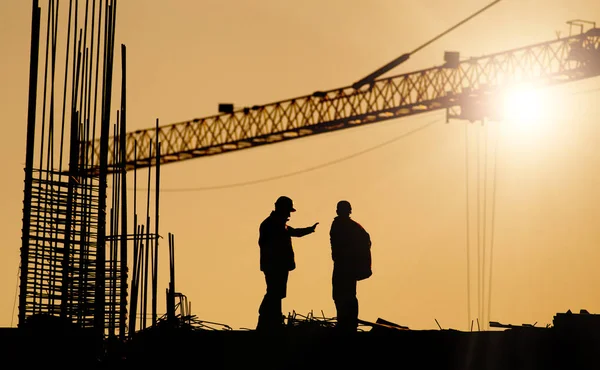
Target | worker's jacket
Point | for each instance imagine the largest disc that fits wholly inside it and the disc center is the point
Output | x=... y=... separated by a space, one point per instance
x=350 y=248
x=275 y=241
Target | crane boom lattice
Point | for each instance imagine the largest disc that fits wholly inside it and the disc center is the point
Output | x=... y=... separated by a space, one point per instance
x=443 y=87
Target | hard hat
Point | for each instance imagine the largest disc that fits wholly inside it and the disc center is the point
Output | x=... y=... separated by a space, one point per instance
x=285 y=203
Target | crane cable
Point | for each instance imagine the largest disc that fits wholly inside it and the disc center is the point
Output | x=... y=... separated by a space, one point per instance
x=468 y=231
x=481 y=283
x=305 y=170
x=482 y=223
x=492 y=227
x=496 y=147
x=456 y=26
x=404 y=57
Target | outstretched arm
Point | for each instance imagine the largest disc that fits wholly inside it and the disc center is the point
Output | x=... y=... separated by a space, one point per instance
x=302 y=231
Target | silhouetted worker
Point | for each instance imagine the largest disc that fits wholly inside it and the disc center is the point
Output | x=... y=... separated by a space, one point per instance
x=277 y=260
x=351 y=254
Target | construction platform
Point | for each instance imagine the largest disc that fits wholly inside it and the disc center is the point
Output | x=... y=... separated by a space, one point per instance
x=573 y=343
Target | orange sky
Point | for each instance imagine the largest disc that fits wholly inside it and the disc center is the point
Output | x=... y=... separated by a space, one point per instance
x=186 y=57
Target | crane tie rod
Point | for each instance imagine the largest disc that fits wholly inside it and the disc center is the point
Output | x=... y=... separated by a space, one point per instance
x=404 y=57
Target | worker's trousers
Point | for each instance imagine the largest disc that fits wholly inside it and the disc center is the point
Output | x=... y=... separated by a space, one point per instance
x=346 y=303
x=270 y=313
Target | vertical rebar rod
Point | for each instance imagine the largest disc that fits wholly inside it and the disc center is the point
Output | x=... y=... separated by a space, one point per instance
x=44 y=92
x=64 y=106
x=29 y=157
x=63 y=118
x=170 y=307
x=91 y=61
x=41 y=257
x=134 y=301
x=117 y=194
x=135 y=218
x=135 y=279
x=54 y=28
x=66 y=261
x=157 y=235
x=88 y=116
x=73 y=170
x=83 y=131
x=171 y=296
x=148 y=250
x=94 y=113
x=104 y=137
x=123 y=292
x=112 y=232
x=80 y=279
x=144 y=277
x=85 y=86
x=52 y=274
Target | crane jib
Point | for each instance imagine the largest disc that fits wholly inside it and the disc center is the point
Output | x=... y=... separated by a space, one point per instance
x=442 y=87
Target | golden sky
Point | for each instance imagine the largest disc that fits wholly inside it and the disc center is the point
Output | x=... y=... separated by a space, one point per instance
x=186 y=57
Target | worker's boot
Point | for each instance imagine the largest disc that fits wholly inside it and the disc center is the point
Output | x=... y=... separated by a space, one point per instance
x=270 y=323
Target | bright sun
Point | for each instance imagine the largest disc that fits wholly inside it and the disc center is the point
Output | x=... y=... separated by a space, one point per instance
x=524 y=104
x=529 y=112
x=532 y=116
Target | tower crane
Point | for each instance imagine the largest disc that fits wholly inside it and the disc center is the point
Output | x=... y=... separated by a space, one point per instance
x=462 y=87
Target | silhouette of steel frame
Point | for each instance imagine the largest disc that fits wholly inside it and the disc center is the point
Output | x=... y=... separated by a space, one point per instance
x=563 y=60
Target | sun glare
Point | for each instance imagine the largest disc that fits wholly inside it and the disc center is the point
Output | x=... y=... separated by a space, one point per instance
x=532 y=116
x=524 y=105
